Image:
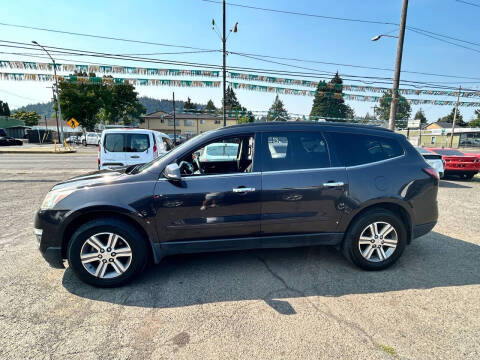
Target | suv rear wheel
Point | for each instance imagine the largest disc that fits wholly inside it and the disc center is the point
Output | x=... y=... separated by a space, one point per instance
x=106 y=252
x=375 y=240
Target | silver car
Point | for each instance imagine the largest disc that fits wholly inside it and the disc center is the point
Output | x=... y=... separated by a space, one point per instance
x=434 y=160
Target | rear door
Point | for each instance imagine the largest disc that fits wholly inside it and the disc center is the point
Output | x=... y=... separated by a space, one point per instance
x=112 y=150
x=301 y=192
x=138 y=147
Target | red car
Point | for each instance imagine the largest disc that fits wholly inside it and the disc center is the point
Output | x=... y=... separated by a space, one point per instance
x=458 y=163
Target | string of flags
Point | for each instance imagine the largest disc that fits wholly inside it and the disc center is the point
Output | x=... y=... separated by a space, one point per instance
x=109 y=80
x=105 y=69
x=216 y=84
x=132 y=70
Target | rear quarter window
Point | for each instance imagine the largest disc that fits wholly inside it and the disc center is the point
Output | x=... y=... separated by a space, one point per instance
x=358 y=149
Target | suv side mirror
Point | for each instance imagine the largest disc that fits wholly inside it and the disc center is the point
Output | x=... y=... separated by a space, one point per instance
x=172 y=172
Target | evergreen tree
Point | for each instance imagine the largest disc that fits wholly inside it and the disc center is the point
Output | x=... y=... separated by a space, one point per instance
x=210 y=106
x=403 y=107
x=328 y=102
x=449 y=118
x=30 y=118
x=277 y=111
x=420 y=115
x=231 y=101
x=4 y=109
x=189 y=105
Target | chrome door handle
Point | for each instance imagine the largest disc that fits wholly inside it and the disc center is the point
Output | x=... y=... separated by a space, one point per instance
x=333 y=184
x=243 y=190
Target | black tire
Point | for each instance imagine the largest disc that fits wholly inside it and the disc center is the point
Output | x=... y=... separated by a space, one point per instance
x=84 y=143
x=350 y=246
x=469 y=176
x=127 y=233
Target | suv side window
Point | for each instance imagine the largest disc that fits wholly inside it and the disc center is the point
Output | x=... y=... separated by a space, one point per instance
x=294 y=150
x=358 y=149
x=167 y=143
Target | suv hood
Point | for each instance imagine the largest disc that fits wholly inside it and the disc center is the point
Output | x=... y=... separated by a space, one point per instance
x=95 y=178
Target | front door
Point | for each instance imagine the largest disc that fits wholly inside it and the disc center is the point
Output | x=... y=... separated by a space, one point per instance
x=218 y=197
x=301 y=193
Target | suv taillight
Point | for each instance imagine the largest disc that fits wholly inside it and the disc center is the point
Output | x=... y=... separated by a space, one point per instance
x=431 y=172
x=155 y=150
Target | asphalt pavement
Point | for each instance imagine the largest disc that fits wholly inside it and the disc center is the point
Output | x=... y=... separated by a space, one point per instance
x=306 y=303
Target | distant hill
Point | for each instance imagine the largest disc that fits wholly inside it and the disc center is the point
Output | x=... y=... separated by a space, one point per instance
x=43 y=109
x=152 y=105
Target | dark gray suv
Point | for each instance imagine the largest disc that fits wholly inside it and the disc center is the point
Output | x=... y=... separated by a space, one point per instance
x=363 y=189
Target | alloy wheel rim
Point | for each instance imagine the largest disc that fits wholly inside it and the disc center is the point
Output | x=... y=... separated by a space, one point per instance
x=378 y=241
x=106 y=255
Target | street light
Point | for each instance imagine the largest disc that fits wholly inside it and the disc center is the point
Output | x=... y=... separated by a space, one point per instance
x=375 y=38
x=56 y=87
x=398 y=64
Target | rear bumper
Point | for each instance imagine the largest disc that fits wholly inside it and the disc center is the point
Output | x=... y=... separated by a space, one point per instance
x=422 y=229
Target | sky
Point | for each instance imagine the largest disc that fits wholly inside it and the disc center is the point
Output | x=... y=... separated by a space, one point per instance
x=188 y=23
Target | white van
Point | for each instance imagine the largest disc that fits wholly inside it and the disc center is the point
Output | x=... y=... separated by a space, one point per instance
x=125 y=147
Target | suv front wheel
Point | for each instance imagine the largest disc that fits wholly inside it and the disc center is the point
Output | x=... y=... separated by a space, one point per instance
x=375 y=240
x=106 y=252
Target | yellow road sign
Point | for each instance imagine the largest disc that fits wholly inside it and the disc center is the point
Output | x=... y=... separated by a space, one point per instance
x=73 y=123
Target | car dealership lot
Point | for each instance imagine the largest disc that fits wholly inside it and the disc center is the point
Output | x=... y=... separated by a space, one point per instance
x=285 y=303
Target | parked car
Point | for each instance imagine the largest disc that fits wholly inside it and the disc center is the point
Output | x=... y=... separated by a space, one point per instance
x=91 y=138
x=434 y=160
x=363 y=189
x=179 y=138
x=73 y=139
x=457 y=163
x=126 y=147
x=6 y=140
x=219 y=152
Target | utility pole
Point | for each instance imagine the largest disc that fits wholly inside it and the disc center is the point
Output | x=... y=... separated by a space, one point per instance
x=455 y=117
x=174 y=123
x=56 y=116
x=398 y=66
x=224 y=40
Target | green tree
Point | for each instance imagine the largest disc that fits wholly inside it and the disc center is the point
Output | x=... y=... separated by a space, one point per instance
x=449 y=118
x=476 y=121
x=121 y=104
x=329 y=103
x=189 y=105
x=210 y=106
x=420 y=115
x=277 y=111
x=4 y=109
x=403 y=107
x=82 y=101
x=30 y=118
x=231 y=101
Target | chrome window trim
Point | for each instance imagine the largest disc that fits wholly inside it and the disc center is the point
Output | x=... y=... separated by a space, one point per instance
x=376 y=162
x=216 y=175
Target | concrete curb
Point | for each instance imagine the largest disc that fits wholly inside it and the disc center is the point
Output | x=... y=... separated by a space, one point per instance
x=35 y=151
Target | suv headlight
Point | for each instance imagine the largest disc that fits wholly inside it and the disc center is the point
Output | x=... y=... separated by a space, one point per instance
x=53 y=197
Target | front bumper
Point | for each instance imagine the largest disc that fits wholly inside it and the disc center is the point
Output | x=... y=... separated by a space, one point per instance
x=46 y=231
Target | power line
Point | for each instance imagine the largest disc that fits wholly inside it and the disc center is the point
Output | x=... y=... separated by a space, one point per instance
x=102 y=37
x=315 y=73
x=304 y=14
x=354 y=66
x=468 y=3
x=443 y=40
x=339 y=19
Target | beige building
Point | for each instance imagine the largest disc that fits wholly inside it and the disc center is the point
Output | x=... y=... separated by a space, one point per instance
x=186 y=124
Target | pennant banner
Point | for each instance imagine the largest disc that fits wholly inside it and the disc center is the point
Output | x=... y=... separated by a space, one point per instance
x=216 y=84
x=355 y=97
x=109 y=80
x=106 y=69
x=357 y=88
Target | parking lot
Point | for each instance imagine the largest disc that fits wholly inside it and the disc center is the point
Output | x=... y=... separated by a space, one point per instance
x=305 y=303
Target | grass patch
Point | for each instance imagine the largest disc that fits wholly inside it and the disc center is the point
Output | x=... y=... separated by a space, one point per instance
x=388 y=349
